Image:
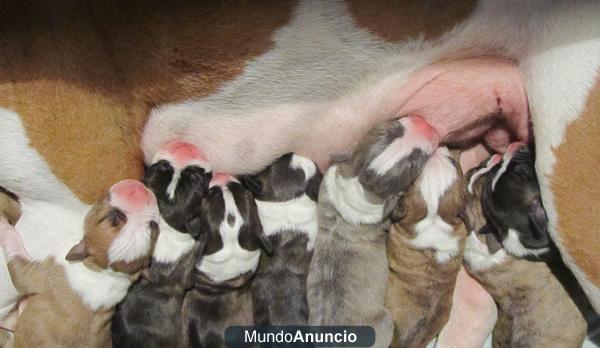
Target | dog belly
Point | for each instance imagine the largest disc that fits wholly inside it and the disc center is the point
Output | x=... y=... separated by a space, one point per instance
x=463 y=99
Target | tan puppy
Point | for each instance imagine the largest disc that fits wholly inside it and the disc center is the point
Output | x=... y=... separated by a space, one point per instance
x=71 y=303
x=425 y=252
x=534 y=307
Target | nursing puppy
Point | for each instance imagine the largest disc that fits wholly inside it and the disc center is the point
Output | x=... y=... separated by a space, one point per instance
x=286 y=197
x=425 y=252
x=512 y=203
x=150 y=314
x=72 y=302
x=234 y=238
x=349 y=271
x=535 y=308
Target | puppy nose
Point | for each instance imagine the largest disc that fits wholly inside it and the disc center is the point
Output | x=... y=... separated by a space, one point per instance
x=221 y=179
x=131 y=195
x=184 y=154
x=421 y=127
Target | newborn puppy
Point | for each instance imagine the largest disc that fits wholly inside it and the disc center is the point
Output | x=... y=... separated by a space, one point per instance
x=150 y=314
x=349 y=271
x=71 y=303
x=234 y=237
x=425 y=252
x=286 y=197
x=535 y=309
x=512 y=203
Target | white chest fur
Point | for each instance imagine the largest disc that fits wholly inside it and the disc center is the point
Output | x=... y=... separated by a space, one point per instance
x=232 y=260
x=348 y=197
x=299 y=214
x=171 y=244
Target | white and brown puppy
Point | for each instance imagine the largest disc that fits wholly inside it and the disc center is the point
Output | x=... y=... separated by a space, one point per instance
x=286 y=195
x=72 y=300
x=425 y=252
x=233 y=236
x=349 y=270
x=539 y=301
x=150 y=314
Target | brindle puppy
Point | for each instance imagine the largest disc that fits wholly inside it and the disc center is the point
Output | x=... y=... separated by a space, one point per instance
x=425 y=252
x=539 y=301
x=234 y=237
x=286 y=196
x=349 y=271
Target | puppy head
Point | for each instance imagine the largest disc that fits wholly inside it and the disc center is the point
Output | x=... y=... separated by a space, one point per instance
x=179 y=175
x=289 y=177
x=429 y=212
x=391 y=156
x=512 y=204
x=232 y=231
x=120 y=231
x=483 y=250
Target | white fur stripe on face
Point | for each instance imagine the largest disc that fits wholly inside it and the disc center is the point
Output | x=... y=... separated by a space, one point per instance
x=308 y=167
x=232 y=260
x=433 y=232
x=133 y=241
x=495 y=159
x=401 y=148
x=508 y=155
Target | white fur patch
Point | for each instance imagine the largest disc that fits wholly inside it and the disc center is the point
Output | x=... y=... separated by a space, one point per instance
x=98 y=290
x=132 y=242
x=308 y=167
x=171 y=244
x=348 y=197
x=433 y=232
x=400 y=148
x=513 y=245
x=299 y=214
x=478 y=257
x=173 y=183
x=505 y=161
x=489 y=165
x=232 y=260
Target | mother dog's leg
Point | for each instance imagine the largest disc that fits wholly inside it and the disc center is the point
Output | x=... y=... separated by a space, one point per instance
x=563 y=85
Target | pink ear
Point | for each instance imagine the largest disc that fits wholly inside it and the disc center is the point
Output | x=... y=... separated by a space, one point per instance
x=78 y=252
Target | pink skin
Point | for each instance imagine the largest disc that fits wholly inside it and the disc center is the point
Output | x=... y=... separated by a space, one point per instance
x=131 y=196
x=10 y=240
x=221 y=179
x=182 y=154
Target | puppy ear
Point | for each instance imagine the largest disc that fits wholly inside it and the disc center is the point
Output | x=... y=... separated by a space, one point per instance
x=252 y=184
x=390 y=204
x=538 y=221
x=194 y=227
x=313 y=185
x=265 y=242
x=78 y=252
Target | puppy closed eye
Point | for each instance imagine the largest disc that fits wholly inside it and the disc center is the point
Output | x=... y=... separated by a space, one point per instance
x=115 y=217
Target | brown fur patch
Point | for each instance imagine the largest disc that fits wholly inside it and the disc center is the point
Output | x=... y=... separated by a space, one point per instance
x=402 y=20
x=83 y=75
x=576 y=189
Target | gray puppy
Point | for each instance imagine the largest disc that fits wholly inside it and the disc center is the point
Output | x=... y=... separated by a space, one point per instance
x=286 y=197
x=348 y=274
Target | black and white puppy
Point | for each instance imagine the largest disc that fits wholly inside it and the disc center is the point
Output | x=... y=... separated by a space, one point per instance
x=286 y=196
x=512 y=203
x=221 y=296
x=150 y=314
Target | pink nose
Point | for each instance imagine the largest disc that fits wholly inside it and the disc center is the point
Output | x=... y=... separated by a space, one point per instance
x=131 y=195
x=221 y=179
x=184 y=153
x=424 y=129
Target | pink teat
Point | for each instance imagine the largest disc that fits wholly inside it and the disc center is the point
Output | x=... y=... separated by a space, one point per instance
x=132 y=196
